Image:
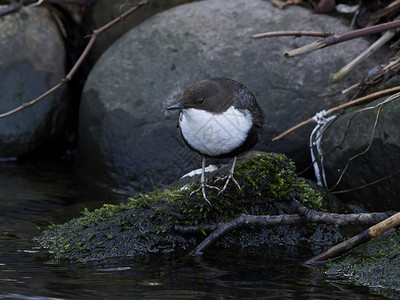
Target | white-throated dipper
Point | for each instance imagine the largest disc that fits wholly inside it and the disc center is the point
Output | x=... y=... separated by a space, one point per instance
x=219 y=118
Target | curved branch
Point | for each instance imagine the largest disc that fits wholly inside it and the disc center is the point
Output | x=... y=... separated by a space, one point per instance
x=244 y=219
x=339 y=38
x=304 y=215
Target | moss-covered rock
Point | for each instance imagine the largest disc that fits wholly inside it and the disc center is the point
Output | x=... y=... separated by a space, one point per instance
x=148 y=222
x=375 y=264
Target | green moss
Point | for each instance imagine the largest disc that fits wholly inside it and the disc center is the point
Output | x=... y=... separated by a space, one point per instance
x=145 y=223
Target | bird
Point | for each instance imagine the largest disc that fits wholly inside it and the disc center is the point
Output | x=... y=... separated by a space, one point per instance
x=219 y=118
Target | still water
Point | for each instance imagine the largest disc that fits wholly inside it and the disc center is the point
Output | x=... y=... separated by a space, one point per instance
x=35 y=195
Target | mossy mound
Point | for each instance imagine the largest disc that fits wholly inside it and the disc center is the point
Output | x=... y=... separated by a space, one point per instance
x=147 y=223
x=375 y=264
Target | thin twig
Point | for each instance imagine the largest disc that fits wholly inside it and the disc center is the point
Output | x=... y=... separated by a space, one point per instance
x=391 y=69
x=370 y=50
x=29 y=2
x=383 y=12
x=15 y=6
x=291 y=33
x=362 y=152
x=379 y=107
x=12 y=8
x=336 y=38
x=85 y=52
x=365 y=185
x=357 y=101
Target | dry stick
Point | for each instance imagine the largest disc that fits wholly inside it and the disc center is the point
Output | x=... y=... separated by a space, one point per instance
x=385 y=11
x=342 y=106
x=29 y=2
x=359 y=239
x=392 y=67
x=371 y=49
x=291 y=33
x=364 y=185
x=71 y=73
x=336 y=38
x=12 y=8
x=305 y=215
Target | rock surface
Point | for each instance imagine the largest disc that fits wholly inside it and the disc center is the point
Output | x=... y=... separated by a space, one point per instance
x=366 y=152
x=375 y=264
x=127 y=138
x=32 y=58
x=105 y=11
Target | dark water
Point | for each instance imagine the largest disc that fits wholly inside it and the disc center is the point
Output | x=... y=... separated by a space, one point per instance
x=33 y=196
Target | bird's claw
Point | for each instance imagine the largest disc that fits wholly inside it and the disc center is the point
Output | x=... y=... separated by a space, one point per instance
x=202 y=187
x=227 y=178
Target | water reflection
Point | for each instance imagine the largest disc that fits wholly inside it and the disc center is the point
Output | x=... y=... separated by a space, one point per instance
x=35 y=195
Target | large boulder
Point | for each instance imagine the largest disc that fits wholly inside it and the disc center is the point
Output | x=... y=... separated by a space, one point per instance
x=128 y=140
x=105 y=11
x=32 y=58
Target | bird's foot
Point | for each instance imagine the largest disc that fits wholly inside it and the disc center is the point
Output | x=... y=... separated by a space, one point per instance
x=202 y=187
x=227 y=178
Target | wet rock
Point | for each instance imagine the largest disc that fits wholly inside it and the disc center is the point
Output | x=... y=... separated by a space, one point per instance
x=366 y=144
x=375 y=264
x=153 y=222
x=32 y=61
x=127 y=138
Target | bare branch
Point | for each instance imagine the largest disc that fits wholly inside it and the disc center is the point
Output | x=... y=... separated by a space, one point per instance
x=395 y=5
x=12 y=8
x=365 y=185
x=304 y=215
x=85 y=52
x=291 y=33
x=244 y=219
x=357 y=101
x=371 y=49
x=336 y=38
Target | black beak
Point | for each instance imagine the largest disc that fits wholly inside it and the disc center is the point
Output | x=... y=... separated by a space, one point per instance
x=175 y=106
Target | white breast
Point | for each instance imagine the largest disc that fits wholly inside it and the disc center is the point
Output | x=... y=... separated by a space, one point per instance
x=214 y=134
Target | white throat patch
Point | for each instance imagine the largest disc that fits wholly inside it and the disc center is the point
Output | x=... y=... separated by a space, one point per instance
x=214 y=134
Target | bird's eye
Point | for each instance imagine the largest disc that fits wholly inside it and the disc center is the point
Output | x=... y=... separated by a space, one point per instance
x=200 y=100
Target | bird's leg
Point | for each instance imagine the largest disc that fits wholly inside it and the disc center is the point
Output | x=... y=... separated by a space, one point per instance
x=203 y=183
x=229 y=177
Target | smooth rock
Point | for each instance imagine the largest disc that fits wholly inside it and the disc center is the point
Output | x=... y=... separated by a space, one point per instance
x=32 y=57
x=105 y=11
x=129 y=141
x=362 y=155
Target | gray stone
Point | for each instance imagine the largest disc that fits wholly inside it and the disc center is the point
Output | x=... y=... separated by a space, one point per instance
x=365 y=154
x=32 y=57
x=105 y=11
x=127 y=138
